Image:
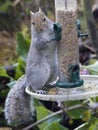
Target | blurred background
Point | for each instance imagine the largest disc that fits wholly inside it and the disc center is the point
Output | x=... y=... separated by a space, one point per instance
x=15 y=17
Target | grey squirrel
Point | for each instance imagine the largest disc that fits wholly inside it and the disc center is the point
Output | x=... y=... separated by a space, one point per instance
x=42 y=57
x=41 y=69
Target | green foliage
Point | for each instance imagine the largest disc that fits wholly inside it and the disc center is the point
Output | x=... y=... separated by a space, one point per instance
x=75 y=113
x=22 y=46
x=22 y=49
x=43 y=112
x=84 y=126
x=3 y=93
x=55 y=126
x=5 y=76
x=92 y=124
x=3 y=72
x=93 y=68
x=5 y=5
x=20 y=68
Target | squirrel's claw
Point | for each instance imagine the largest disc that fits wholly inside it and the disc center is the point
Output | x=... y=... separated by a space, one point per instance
x=41 y=92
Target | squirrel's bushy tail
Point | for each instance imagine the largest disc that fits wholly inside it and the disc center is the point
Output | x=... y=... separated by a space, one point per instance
x=19 y=106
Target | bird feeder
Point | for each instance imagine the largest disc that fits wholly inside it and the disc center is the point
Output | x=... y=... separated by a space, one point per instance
x=68 y=49
x=70 y=85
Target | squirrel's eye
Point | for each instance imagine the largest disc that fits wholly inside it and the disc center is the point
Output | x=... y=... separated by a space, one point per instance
x=33 y=23
x=44 y=19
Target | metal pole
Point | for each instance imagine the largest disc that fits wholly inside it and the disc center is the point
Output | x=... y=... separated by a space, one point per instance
x=65 y=4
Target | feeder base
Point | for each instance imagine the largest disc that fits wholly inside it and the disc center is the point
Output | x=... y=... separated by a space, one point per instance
x=88 y=90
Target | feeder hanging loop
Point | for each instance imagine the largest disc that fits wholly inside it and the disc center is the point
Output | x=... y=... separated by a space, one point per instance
x=65 y=4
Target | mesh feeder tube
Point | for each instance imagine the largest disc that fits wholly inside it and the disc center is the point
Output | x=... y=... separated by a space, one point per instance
x=68 y=48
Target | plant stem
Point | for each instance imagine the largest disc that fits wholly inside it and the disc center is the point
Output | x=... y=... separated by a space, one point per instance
x=53 y=114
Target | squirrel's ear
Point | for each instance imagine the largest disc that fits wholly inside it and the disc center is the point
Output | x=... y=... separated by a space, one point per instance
x=40 y=10
x=31 y=13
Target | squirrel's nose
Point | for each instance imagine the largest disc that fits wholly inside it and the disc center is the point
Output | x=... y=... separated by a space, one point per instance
x=57 y=27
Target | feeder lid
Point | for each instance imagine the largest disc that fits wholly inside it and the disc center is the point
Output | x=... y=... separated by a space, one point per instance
x=88 y=90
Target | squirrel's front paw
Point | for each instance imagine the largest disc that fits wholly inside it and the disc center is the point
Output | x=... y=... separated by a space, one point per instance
x=41 y=92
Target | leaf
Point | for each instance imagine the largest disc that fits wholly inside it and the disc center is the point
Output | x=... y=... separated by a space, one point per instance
x=11 y=84
x=55 y=126
x=43 y=112
x=1 y=110
x=3 y=93
x=5 y=6
x=37 y=103
x=3 y=72
x=93 y=69
x=75 y=113
x=20 y=68
x=22 y=48
x=22 y=45
x=94 y=126
x=84 y=126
